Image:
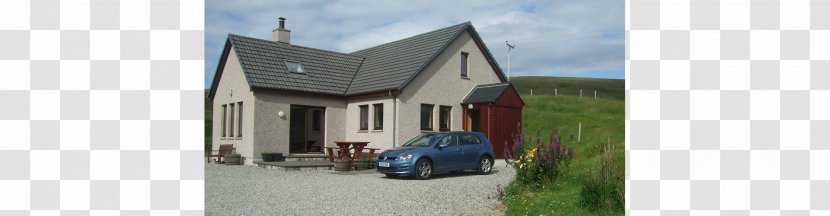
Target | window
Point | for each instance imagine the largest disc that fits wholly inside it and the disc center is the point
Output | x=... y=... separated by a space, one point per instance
x=470 y=139
x=464 y=68
x=224 y=116
x=239 y=126
x=378 y=116
x=231 y=123
x=294 y=67
x=450 y=140
x=316 y=115
x=426 y=116
x=444 y=118
x=364 y=117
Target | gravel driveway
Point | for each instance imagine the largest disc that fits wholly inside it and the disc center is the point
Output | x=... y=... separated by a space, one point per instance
x=250 y=190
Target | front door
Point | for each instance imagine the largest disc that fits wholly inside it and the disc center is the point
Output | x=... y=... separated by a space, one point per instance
x=306 y=129
x=473 y=120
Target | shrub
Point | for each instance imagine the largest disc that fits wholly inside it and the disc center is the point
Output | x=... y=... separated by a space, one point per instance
x=596 y=194
x=543 y=161
x=605 y=190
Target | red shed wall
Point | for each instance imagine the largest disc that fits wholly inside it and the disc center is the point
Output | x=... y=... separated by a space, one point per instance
x=499 y=119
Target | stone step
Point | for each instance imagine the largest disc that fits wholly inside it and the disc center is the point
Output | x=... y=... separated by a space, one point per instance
x=297 y=165
x=306 y=157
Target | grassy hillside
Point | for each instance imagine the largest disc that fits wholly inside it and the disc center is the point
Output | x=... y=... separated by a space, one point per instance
x=606 y=88
x=601 y=119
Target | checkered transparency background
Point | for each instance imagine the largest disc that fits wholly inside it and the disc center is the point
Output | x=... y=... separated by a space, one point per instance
x=728 y=107
x=101 y=107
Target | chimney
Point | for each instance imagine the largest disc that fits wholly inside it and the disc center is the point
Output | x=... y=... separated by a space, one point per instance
x=281 y=34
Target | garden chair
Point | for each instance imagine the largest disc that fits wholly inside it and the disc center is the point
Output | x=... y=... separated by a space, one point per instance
x=224 y=149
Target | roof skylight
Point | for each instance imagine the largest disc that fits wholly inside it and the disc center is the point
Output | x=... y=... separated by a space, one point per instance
x=294 y=67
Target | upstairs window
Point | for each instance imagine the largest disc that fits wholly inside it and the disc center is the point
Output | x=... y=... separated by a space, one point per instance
x=464 y=67
x=364 y=117
x=294 y=67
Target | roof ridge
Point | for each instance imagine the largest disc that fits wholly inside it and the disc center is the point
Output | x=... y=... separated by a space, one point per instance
x=413 y=36
x=293 y=45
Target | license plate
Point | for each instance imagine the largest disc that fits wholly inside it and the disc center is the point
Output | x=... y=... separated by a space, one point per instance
x=383 y=164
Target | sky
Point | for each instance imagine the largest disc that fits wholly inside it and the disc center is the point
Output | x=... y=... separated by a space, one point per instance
x=570 y=38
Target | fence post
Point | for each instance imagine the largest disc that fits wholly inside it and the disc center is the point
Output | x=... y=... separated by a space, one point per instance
x=531 y=92
x=595 y=94
x=580 y=93
x=579 y=134
x=555 y=92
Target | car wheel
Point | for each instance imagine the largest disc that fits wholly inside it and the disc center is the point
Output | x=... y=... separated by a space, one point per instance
x=391 y=175
x=485 y=165
x=423 y=169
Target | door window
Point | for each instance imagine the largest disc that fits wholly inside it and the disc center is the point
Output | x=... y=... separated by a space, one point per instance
x=450 y=140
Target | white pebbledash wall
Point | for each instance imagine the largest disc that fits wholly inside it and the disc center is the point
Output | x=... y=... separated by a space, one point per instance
x=376 y=138
x=272 y=132
x=234 y=88
x=441 y=84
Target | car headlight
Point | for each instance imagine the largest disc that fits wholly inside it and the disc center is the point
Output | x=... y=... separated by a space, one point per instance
x=405 y=158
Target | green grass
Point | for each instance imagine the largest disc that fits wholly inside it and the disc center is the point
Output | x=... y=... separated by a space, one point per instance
x=606 y=88
x=601 y=119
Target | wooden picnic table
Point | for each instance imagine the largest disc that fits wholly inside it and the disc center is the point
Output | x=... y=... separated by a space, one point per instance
x=344 y=149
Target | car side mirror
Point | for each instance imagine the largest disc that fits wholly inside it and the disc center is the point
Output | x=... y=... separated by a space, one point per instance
x=443 y=145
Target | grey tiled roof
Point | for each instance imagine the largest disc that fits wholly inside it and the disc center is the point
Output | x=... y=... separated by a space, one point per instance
x=392 y=65
x=388 y=66
x=485 y=93
x=263 y=62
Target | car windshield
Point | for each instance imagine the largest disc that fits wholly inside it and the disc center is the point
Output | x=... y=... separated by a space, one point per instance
x=422 y=140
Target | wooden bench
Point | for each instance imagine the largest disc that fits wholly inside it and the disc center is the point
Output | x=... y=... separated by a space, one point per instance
x=330 y=152
x=224 y=149
x=371 y=152
x=356 y=156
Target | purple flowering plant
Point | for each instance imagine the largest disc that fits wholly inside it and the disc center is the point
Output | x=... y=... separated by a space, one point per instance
x=542 y=161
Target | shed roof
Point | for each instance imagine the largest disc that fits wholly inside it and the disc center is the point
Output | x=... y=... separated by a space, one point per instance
x=486 y=93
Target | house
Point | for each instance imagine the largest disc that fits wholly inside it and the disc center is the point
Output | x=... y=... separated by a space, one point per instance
x=274 y=96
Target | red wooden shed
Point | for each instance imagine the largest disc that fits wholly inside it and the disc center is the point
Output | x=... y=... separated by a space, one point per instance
x=494 y=110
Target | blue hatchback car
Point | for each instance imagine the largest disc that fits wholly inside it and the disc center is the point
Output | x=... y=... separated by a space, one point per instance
x=434 y=153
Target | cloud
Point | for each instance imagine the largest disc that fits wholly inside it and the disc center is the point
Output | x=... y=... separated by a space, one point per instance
x=562 y=38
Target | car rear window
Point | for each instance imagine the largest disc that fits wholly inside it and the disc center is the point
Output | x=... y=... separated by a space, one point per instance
x=470 y=139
